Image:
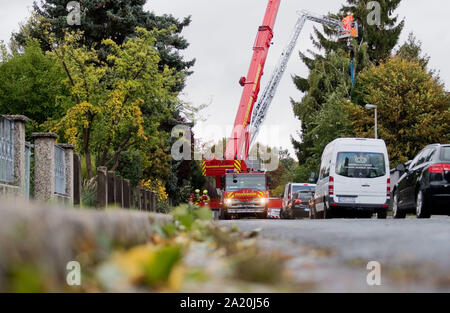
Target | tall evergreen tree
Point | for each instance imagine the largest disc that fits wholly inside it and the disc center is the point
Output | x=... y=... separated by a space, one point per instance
x=381 y=39
x=329 y=76
x=116 y=20
x=411 y=50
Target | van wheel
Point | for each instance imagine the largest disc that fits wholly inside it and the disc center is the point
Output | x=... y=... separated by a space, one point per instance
x=422 y=211
x=327 y=212
x=397 y=213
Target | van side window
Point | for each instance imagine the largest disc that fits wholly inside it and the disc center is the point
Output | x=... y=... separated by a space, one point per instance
x=327 y=166
x=322 y=168
x=321 y=172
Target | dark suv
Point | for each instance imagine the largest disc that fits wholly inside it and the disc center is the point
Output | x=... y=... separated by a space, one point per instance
x=424 y=185
x=298 y=206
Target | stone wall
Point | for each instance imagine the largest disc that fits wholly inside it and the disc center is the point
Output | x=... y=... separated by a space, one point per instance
x=18 y=187
x=44 y=171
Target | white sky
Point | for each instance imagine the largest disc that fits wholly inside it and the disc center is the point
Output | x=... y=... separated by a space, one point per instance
x=221 y=38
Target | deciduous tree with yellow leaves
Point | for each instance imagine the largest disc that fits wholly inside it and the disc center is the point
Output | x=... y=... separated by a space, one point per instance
x=413 y=107
x=120 y=102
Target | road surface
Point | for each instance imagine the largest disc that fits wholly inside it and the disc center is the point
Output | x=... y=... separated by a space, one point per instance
x=332 y=255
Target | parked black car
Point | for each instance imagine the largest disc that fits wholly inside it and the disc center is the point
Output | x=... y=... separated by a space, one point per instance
x=298 y=206
x=424 y=185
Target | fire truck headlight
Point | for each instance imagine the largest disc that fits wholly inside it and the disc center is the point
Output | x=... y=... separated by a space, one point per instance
x=263 y=201
x=228 y=202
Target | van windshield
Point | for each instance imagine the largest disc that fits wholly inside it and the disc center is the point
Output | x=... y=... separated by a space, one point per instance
x=360 y=164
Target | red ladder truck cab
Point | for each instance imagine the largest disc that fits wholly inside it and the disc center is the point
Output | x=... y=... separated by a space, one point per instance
x=245 y=194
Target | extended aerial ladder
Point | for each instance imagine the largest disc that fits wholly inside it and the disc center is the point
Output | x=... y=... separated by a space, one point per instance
x=234 y=155
x=348 y=29
x=249 y=117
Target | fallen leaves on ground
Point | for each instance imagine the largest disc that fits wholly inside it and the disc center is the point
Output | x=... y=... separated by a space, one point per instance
x=194 y=254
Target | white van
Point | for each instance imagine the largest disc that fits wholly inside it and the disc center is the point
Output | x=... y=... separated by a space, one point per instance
x=354 y=177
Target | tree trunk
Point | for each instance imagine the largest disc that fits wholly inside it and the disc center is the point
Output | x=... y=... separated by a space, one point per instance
x=125 y=144
x=87 y=152
x=116 y=163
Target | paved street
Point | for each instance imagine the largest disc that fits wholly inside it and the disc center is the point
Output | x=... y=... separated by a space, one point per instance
x=333 y=254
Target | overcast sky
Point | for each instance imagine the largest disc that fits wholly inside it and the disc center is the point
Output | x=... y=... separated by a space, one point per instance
x=221 y=37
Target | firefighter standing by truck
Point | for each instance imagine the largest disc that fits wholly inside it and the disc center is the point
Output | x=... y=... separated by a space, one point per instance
x=199 y=200
x=197 y=197
x=205 y=197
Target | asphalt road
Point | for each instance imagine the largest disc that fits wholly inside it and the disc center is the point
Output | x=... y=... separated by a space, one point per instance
x=333 y=254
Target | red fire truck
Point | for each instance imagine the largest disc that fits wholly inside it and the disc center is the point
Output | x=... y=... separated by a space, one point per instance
x=244 y=190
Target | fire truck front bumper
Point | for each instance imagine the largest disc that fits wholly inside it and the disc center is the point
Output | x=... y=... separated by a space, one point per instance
x=246 y=210
x=254 y=206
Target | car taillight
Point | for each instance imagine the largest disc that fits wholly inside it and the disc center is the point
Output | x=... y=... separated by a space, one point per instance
x=298 y=201
x=388 y=188
x=439 y=168
x=331 y=186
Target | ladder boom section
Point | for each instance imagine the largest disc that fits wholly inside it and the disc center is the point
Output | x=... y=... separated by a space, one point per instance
x=262 y=107
x=237 y=147
x=324 y=20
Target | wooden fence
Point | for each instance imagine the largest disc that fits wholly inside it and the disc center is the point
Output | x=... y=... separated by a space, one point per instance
x=113 y=190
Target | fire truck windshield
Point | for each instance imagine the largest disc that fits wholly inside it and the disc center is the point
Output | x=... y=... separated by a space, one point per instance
x=238 y=182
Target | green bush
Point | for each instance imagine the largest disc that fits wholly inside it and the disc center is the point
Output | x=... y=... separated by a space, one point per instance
x=130 y=166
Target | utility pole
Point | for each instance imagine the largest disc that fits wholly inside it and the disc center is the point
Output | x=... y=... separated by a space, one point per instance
x=370 y=107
